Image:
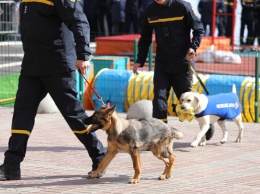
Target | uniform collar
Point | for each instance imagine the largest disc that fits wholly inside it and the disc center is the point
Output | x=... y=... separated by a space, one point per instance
x=170 y=2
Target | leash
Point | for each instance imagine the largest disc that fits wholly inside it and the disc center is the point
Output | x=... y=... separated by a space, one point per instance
x=197 y=76
x=99 y=97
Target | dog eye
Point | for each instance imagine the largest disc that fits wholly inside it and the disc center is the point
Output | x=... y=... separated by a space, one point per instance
x=104 y=119
x=189 y=100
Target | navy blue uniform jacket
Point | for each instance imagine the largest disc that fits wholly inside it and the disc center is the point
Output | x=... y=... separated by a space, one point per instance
x=49 y=45
x=172 y=25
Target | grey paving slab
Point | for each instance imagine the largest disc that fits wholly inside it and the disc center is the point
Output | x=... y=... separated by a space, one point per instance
x=56 y=161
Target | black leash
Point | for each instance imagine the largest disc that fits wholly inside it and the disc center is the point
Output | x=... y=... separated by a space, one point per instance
x=195 y=73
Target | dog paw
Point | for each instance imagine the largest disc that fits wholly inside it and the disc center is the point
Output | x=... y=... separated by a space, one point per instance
x=238 y=140
x=92 y=176
x=133 y=181
x=202 y=143
x=164 y=177
x=223 y=141
x=194 y=144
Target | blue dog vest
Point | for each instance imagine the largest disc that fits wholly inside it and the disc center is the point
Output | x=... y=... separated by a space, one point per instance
x=225 y=105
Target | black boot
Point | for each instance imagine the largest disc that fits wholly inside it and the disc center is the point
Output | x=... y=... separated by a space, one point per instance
x=210 y=132
x=9 y=173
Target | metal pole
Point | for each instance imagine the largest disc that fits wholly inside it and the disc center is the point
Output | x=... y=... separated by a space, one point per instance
x=151 y=57
x=256 y=87
x=233 y=24
x=135 y=49
x=81 y=87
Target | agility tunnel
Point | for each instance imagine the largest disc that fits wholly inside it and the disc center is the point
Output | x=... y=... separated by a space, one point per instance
x=98 y=63
x=123 y=88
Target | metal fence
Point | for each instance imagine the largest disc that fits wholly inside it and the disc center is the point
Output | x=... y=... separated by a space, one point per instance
x=10 y=51
x=9 y=20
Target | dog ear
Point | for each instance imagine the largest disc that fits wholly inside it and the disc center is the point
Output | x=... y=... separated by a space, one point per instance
x=110 y=110
x=202 y=102
x=197 y=99
x=113 y=108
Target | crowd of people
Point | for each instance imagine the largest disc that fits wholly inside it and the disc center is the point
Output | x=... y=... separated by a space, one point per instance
x=115 y=17
x=250 y=19
x=224 y=9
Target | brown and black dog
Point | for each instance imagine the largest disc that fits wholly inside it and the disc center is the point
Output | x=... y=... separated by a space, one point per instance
x=131 y=136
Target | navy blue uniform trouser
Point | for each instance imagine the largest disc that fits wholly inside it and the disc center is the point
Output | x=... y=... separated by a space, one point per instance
x=249 y=22
x=62 y=88
x=163 y=81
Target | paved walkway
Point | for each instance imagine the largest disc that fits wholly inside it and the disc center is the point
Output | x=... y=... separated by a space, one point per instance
x=56 y=161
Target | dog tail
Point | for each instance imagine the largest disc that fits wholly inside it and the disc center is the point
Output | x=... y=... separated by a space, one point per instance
x=177 y=134
x=234 y=89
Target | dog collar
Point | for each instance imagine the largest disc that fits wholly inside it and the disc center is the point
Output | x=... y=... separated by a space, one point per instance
x=185 y=114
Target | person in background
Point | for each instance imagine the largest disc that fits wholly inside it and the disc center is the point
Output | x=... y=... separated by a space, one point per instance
x=96 y=17
x=229 y=4
x=108 y=18
x=132 y=16
x=55 y=37
x=117 y=10
x=247 y=19
x=221 y=19
x=205 y=10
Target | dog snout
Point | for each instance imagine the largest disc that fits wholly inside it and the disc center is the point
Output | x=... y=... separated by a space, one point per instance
x=183 y=106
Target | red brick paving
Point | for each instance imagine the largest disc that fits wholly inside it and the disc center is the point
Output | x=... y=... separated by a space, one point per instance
x=56 y=161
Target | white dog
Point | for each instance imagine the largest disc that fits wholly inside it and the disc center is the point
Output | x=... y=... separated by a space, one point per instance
x=211 y=109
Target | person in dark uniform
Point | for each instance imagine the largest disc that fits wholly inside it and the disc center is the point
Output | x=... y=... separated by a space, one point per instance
x=205 y=10
x=221 y=19
x=117 y=10
x=55 y=37
x=247 y=19
x=229 y=4
x=172 y=22
x=96 y=17
x=132 y=15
